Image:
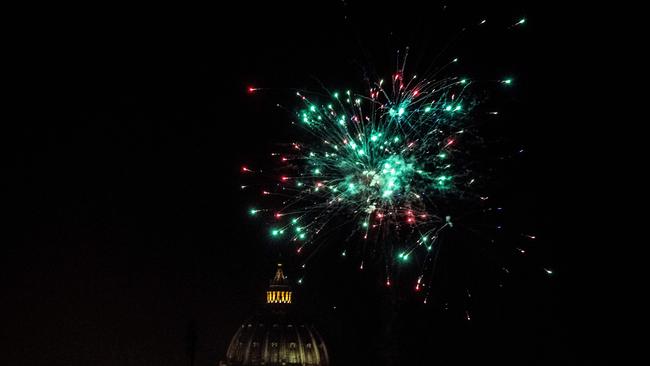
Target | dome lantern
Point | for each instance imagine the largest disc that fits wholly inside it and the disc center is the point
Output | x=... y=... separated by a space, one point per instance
x=279 y=291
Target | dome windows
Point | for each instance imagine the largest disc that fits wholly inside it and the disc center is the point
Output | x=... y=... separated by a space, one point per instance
x=278 y=297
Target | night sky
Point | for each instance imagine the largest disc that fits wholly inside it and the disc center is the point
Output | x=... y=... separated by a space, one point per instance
x=133 y=237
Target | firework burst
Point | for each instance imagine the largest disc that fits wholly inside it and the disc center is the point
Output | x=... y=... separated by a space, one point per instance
x=380 y=174
x=384 y=168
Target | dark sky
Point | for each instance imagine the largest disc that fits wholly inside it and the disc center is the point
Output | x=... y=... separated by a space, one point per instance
x=131 y=227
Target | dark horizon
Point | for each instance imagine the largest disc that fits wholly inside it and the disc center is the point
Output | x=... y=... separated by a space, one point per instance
x=134 y=240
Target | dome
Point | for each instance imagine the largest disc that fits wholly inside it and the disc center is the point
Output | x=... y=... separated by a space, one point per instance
x=275 y=336
x=277 y=344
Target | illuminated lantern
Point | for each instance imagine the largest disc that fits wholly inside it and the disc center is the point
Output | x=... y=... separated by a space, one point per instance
x=279 y=291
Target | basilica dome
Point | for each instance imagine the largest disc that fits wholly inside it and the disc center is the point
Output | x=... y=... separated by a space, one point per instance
x=276 y=335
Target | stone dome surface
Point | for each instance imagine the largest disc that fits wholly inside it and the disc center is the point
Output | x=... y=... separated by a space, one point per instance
x=277 y=343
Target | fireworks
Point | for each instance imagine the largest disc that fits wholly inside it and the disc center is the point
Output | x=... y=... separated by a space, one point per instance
x=379 y=164
x=381 y=172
